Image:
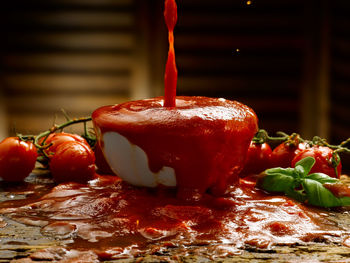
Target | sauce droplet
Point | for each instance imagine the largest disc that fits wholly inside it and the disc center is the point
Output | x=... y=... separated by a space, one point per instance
x=170 y=79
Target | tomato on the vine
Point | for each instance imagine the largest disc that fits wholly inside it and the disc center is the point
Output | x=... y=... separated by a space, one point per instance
x=258 y=158
x=55 y=139
x=17 y=159
x=284 y=153
x=73 y=162
x=324 y=160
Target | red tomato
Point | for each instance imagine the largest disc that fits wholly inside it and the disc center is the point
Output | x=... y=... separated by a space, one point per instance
x=258 y=159
x=284 y=153
x=73 y=162
x=17 y=159
x=58 y=138
x=101 y=163
x=323 y=156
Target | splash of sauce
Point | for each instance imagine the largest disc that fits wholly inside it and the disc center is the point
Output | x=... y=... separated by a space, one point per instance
x=170 y=80
x=113 y=219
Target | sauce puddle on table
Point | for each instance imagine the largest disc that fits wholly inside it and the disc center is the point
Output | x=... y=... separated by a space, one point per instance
x=116 y=220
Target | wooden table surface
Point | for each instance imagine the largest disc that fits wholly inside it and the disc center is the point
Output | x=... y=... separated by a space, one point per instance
x=21 y=243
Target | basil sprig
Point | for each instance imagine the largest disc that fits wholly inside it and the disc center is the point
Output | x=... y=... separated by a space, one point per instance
x=298 y=184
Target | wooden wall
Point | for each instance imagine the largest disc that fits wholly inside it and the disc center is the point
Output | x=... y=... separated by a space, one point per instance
x=340 y=70
x=248 y=52
x=289 y=60
x=340 y=74
x=72 y=55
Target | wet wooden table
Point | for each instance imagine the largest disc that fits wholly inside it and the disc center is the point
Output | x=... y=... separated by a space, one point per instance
x=23 y=243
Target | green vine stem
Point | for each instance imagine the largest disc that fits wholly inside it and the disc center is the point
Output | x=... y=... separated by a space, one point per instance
x=341 y=148
x=42 y=146
x=25 y=137
x=294 y=139
x=262 y=136
x=337 y=148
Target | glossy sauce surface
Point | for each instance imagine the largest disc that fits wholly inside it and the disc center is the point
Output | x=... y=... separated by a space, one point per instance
x=115 y=220
x=204 y=139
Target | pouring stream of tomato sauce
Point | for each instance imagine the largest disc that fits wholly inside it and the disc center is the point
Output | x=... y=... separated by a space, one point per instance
x=170 y=80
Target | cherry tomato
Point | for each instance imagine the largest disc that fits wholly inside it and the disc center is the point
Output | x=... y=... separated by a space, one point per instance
x=73 y=162
x=284 y=153
x=101 y=163
x=17 y=159
x=258 y=159
x=58 y=138
x=323 y=156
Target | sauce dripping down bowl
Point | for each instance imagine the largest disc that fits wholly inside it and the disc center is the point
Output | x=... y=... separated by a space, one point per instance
x=198 y=145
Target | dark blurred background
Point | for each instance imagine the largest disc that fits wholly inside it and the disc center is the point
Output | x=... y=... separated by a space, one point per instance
x=287 y=59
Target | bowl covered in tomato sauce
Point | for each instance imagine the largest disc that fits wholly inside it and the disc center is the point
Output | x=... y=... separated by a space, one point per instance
x=198 y=145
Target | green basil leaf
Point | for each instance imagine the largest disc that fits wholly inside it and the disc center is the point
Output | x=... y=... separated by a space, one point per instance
x=276 y=182
x=318 y=195
x=298 y=195
x=297 y=184
x=322 y=178
x=285 y=171
x=299 y=171
x=345 y=201
x=306 y=163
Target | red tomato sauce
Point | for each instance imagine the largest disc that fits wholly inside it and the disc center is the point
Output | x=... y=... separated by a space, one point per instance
x=204 y=139
x=170 y=78
x=115 y=220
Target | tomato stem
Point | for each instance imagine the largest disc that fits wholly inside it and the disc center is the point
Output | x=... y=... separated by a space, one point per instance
x=294 y=139
x=54 y=128
x=65 y=114
x=262 y=136
x=25 y=137
x=341 y=148
x=342 y=145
